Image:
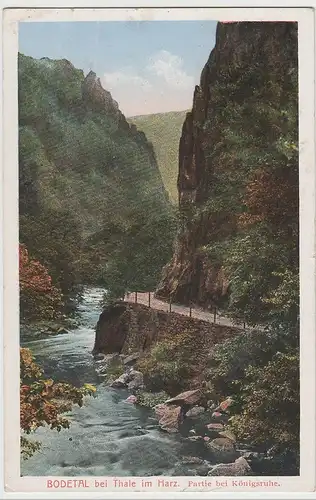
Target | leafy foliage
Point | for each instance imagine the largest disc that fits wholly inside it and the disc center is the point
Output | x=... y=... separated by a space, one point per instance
x=151 y=399
x=230 y=360
x=171 y=363
x=270 y=395
x=53 y=237
x=43 y=402
x=38 y=297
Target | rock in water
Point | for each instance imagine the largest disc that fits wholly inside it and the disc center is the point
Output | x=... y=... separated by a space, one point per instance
x=121 y=382
x=225 y=405
x=196 y=411
x=99 y=356
x=238 y=468
x=186 y=398
x=137 y=380
x=169 y=417
x=195 y=439
x=217 y=414
x=223 y=449
x=133 y=380
x=131 y=399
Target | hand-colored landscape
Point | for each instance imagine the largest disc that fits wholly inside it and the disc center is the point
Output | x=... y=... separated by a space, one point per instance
x=159 y=264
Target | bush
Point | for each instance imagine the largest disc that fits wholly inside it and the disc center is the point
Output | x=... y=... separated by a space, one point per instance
x=260 y=370
x=149 y=399
x=170 y=364
x=270 y=410
x=39 y=299
x=230 y=359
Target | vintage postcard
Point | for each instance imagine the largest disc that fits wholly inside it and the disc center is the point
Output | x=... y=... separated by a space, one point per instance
x=159 y=273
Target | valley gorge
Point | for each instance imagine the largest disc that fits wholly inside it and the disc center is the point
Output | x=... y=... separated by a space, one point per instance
x=192 y=397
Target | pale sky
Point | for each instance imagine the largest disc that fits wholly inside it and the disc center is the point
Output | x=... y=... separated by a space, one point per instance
x=148 y=66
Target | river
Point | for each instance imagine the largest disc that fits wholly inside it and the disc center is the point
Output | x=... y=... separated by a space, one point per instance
x=107 y=436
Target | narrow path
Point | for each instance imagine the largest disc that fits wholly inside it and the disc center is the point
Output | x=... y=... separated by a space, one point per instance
x=196 y=312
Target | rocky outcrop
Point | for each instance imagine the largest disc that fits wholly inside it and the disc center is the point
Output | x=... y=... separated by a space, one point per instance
x=244 y=51
x=195 y=412
x=132 y=380
x=186 y=398
x=97 y=97
x=222 y=449
x=128 y=328
x=169 y=417
x=238 y=468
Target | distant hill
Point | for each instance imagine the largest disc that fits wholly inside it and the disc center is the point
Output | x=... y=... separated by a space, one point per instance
x=163 y=130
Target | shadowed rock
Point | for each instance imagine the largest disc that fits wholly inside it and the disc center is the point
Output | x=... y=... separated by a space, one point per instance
x=195 y=412
x=238 y=468
x=223 y=449
x=186 y=398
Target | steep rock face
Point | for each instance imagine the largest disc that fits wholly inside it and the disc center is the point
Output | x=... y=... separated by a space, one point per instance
x=95 y=94
x=246 y=56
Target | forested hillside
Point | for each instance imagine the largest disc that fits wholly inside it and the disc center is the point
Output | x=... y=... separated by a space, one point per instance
x=92 y=202
x=163 y=130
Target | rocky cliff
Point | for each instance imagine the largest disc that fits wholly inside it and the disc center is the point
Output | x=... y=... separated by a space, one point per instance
x=253 y=65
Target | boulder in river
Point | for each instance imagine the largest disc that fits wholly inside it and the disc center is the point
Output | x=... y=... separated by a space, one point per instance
x=132 y=379
x=136 y=382
x=131 y=399
x=217 y=414
x=169 y=417
x=222 y=449
x=194 y=412
x=238 y=468
x=195 y=439
x=99 y=356
x=186 y=398
x=121 y=382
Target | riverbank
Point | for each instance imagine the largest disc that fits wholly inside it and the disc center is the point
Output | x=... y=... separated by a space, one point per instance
x=107 y=436
x=114 y=434
x=171 y=353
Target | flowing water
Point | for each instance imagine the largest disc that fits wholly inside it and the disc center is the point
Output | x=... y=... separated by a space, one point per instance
x=107 y=436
